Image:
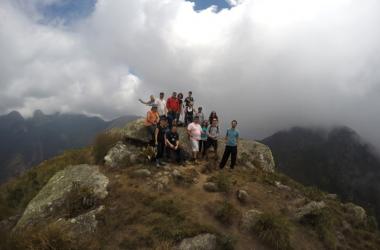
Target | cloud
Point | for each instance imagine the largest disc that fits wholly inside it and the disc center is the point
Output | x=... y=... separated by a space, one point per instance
x=271 y=64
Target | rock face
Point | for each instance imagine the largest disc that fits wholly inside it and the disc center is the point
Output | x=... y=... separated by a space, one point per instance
x=358 y=214
x=200 y=242
x=309 y=208
x=53 y=194
x=122 y=155
x=251 y=154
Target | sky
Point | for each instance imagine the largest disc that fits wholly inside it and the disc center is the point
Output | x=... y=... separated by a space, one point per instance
x=270 y=64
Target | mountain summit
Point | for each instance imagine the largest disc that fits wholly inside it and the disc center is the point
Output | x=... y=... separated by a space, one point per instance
x=110 y=196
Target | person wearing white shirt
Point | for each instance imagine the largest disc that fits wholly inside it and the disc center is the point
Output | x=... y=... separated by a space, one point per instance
x=161 y=105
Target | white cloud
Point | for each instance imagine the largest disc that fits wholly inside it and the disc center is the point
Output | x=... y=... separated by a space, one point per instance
x=269 y=63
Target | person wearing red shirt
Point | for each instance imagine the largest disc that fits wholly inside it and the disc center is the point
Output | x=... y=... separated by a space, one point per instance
x=172 y=104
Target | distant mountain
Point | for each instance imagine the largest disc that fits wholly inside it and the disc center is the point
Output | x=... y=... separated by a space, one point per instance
x=27 y=142
x=334 y=160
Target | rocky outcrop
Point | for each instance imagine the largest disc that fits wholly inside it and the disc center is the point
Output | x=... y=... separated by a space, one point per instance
x=249 y=219
x=122 y=155
x=53 y=196
x=251 y=154
x=309 y=208
x=357 y=214
x=200 y=242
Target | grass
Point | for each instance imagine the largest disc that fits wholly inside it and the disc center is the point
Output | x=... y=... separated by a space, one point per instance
x=322 y=221
x=223 y=182
x=47 y=237
x=225 y=212
x=274 y=231
x=16 y=194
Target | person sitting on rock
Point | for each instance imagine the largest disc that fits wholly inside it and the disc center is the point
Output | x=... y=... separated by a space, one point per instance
x=172 y=145
x=189 y=114
x=151 y=121
x=232 y=140
x=194 y=131
x=150 y=102
x=160 y=140
x=212 y=138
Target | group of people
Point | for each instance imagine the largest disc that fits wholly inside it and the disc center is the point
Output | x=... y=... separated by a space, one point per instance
x=165 y=116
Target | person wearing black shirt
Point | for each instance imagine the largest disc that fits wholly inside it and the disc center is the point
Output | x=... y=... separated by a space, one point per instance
x=172 y=144
x=189 y=99
x=160 y=140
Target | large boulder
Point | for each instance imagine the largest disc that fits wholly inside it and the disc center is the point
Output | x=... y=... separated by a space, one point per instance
x=251 y=153
x=123 y=155
x=200 y=242
x=357 y=214
x=53 y=197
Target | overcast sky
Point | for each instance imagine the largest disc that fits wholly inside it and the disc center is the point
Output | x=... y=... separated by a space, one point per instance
x=271 y=64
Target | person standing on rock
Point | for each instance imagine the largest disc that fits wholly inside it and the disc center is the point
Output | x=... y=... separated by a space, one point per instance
x=203 y=141
x=181 y=109
x=161 y=105
x=200 y=114
x=232 y=141
x=172 y=145
x=160 y=140
x=213 y=116
x=194 y=131
x=189 y=99
x=150 y=102
x=151 y=121
x=189 y=114
x=172 y=104
x=212 y=138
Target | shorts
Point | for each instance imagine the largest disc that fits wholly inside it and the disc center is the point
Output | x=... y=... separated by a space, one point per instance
x=194 y=145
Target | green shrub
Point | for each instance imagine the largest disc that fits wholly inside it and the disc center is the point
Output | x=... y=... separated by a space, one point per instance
x=80 y=199
x=102 y=144
x=225 y=212
x=274 y=231
x=322 y=221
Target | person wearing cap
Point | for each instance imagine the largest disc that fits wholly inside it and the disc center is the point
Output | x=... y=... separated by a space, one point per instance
x=172 y=105
x=160 y=140
x=151 y=121
x=232 y=141
x=194 y=131
x=161 y=105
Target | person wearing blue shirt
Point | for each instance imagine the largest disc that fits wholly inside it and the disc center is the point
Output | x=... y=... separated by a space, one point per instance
x=232 y=140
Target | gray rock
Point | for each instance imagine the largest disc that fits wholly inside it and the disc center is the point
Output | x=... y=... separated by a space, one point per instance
x=249 y=219
x=358 y=214
x=143 y=173
x=210 y=187
x=332 y=196
x=281 y=186
x=200 y=242
x=85 y=223
x=309 y=208
x=242 y=196
x=53 y=194
x=117 y=156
